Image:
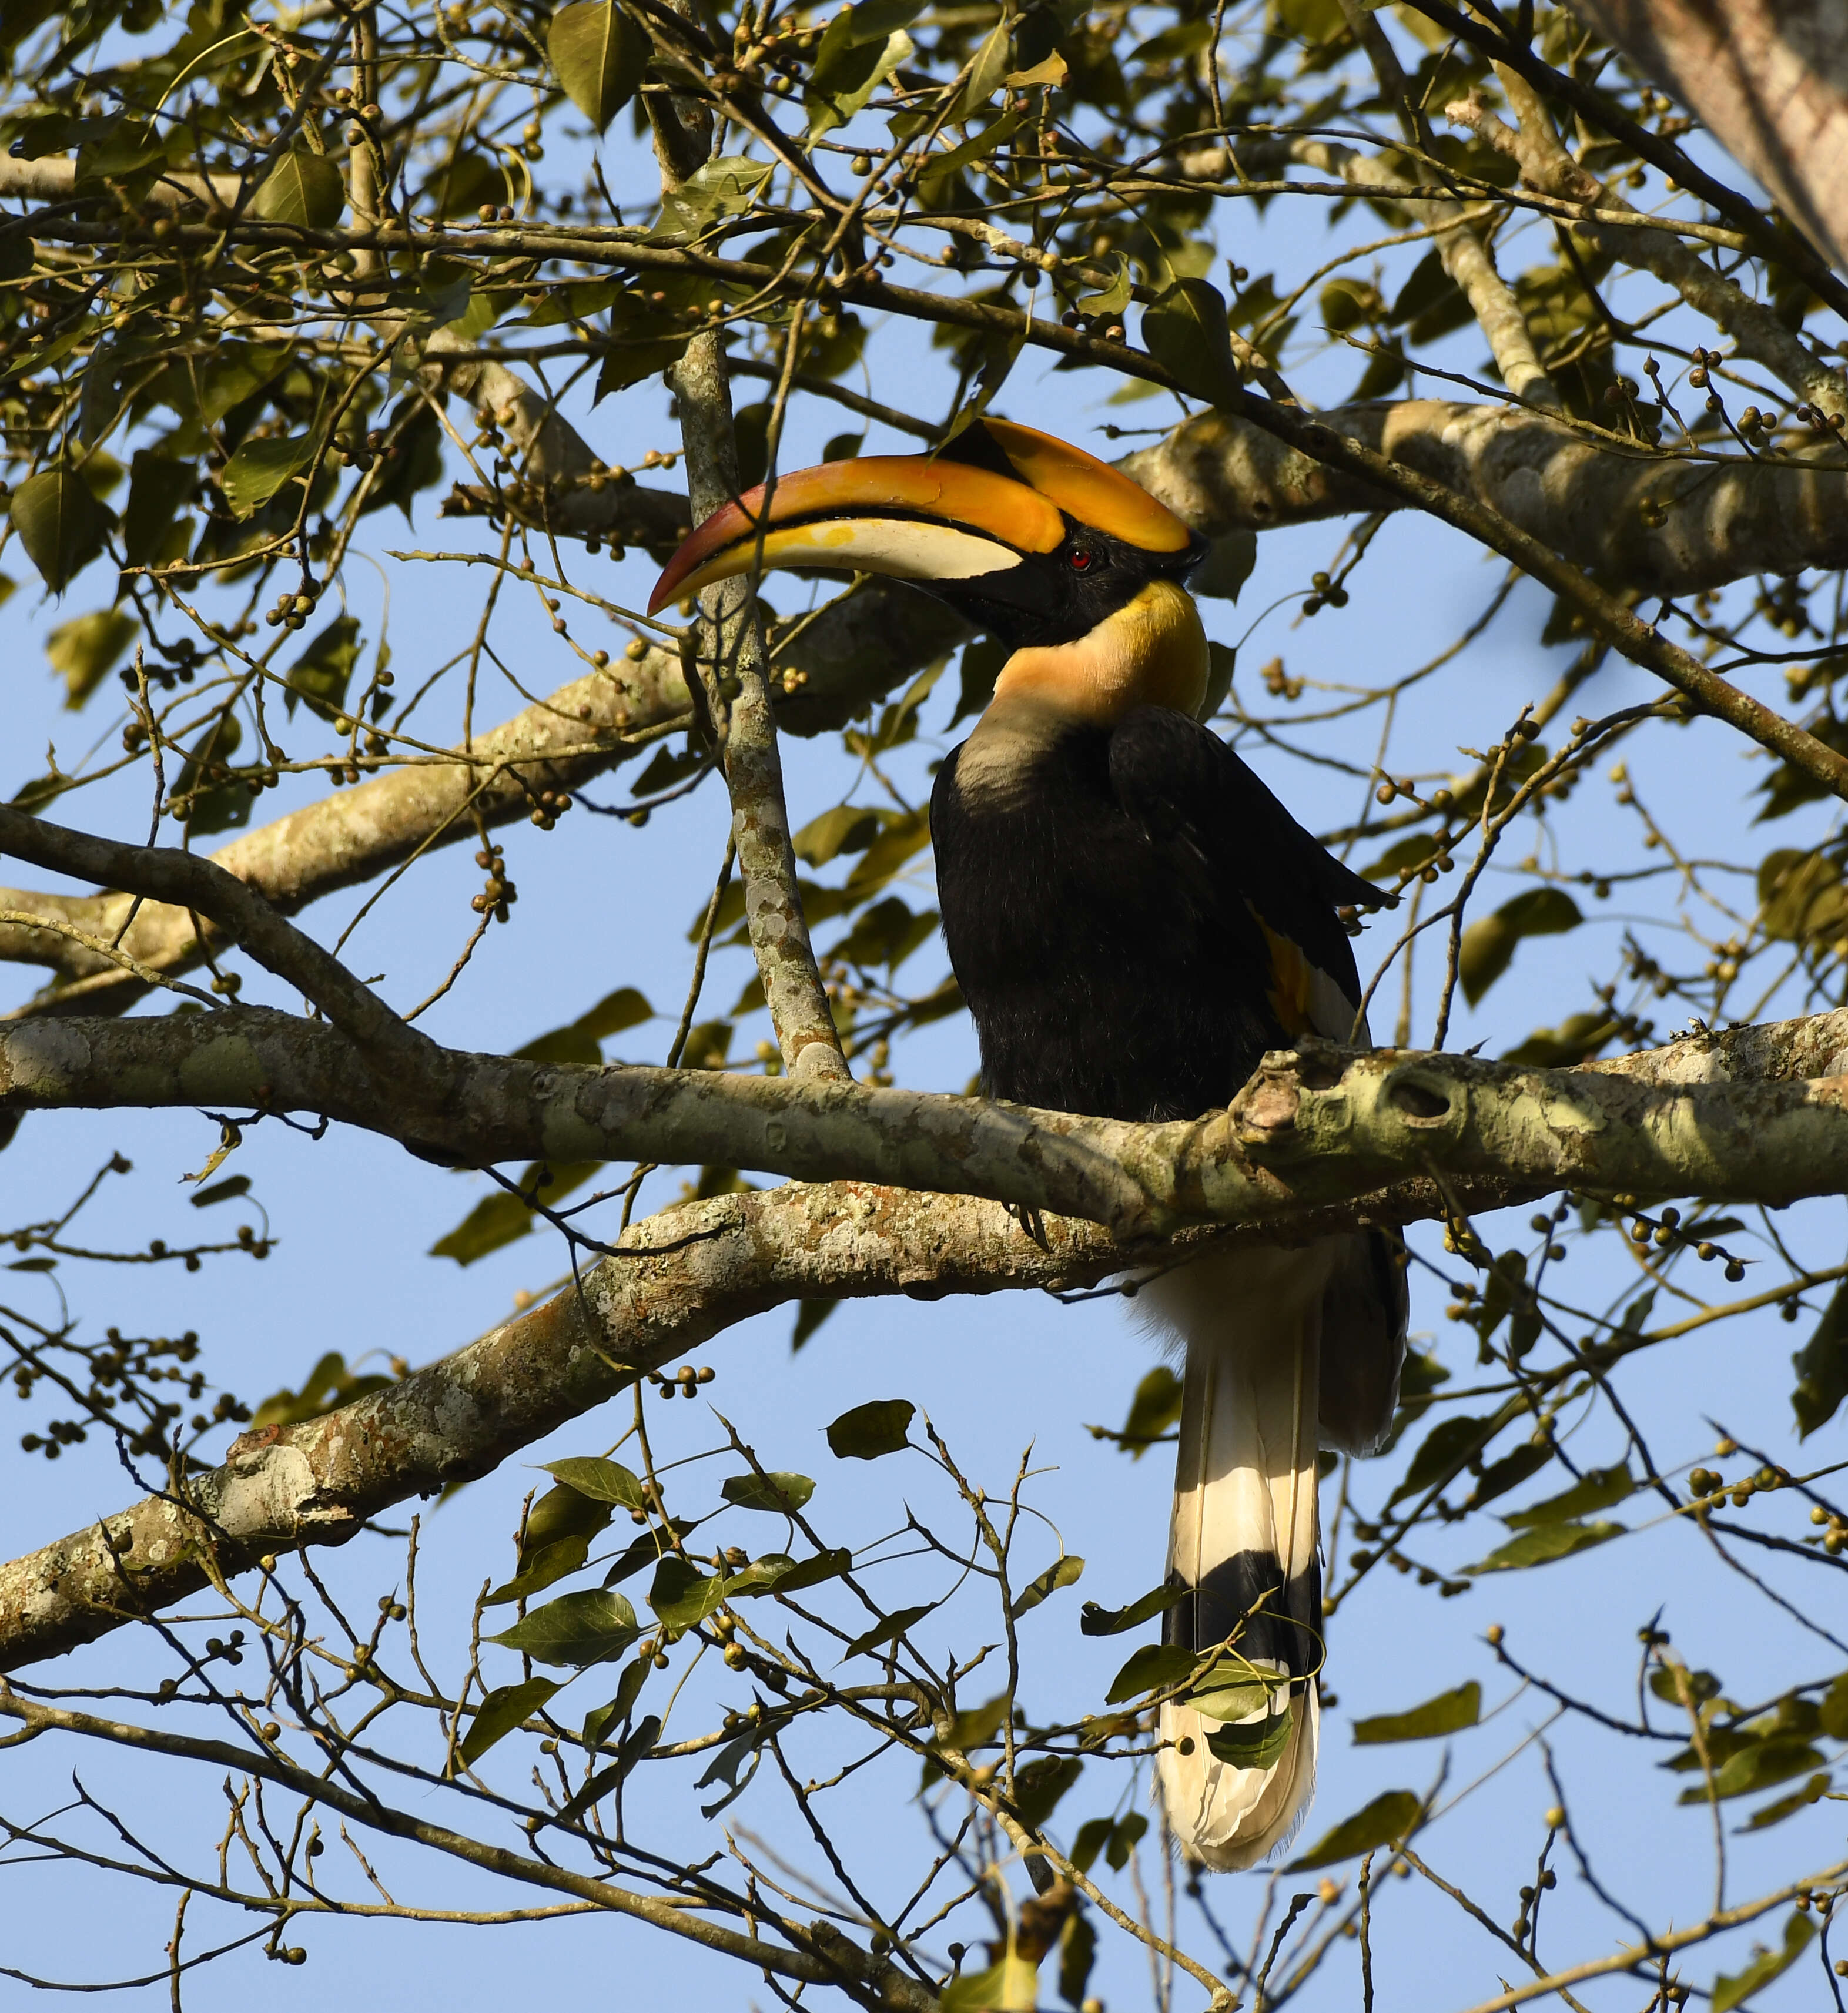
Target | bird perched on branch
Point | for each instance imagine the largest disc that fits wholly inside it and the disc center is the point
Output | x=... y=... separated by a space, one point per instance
x=1133 y=920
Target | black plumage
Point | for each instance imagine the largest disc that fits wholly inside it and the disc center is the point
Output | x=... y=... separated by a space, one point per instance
x=1105 y=919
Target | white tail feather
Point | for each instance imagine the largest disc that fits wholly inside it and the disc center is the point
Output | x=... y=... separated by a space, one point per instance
x=1244 y=1533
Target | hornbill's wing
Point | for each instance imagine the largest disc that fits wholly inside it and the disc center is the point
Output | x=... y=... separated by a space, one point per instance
x=1206 y=807
x=1196 y=797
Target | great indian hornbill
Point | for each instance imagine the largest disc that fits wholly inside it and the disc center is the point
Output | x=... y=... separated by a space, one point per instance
x=1133 y=920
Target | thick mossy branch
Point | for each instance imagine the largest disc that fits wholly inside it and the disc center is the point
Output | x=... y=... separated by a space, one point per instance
x=1312 y=1131
x=1466 y=1135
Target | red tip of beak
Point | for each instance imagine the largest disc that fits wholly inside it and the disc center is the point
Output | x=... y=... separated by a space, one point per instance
x=730 y=522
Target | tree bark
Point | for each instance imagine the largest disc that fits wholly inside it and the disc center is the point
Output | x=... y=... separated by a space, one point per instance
x=684 y=1275
x=1767 y=78
x=1720 y=520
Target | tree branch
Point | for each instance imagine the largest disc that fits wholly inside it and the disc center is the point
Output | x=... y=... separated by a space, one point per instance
x=186 y=881
x=1769 y=80
x=1468 y=262
x=1536 y=148
x=823 y=1955
x=688 y=1273
x=1597 y=108
x=1319 y=1130
x=849 y=654
x=1719 y=520
x=779 y=931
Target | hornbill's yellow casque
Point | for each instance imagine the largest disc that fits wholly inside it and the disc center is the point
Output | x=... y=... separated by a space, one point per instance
x=1134 y=919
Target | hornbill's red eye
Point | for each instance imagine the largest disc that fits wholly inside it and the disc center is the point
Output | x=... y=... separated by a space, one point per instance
x=1081 y=559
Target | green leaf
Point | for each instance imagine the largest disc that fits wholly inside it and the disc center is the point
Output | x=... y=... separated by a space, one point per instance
x=326 y=1387
x=615 y=1013
x=1549 y=1542
x=782 y=1493
x=1450 y=1712
x=1799 y=1928
x=1576 y=1039
x=993 y=60
x=1443 y=1451
x=1153 y=1412
x=889 y=1630
x=1078 y=1951
x=1597 y=1489
x=630 y=358
x=1833 y=1711
x=85 y=650
x=1095 y=1620
x=503 y=1218
x=903 y=836
x=724 y=187
x=636 y=1747
x=810 y=1315
x=500 y=1711
x=600 y=56
x=260 y=469
x=1812 y=1792
x=320 y=675
x=232 y=1185
x=804 y=1573
x=884 y=935
x=569 y=1044
x=976 y=1726
x=1509 y=1472
x=1256 y=1743
x=1125 y=1835
x=60 y=523
x=1092 y=1835
x=646 y=1550
x=1431 y=303
x=1185 y=331
x=845 y=77
x=1065 y=1572
x=1039 y=1784
x=602 y=1480
x=1822 y=1367
x=1802 y=895
x=1153 y=1668
x=682 y=1594
x=580 y=1041
x=1489 y=944
x=935 y=169
x=598 y=1722
x=762 y=1575
x=1226 y=568
x=870 y=1430
x=541 y=1567
x=847 y=828
x=1760 y=1764
x=1385 y=1820
x=237 y=371
x=1181 y=38
x=302 y=188
x=158 y=486
x=1010 y=1986
x=18 y=255
x=1113 y=297
x=555 y=1540
x=576 y=1630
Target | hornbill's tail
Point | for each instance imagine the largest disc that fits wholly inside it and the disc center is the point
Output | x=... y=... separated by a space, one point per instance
x=1237 y=1766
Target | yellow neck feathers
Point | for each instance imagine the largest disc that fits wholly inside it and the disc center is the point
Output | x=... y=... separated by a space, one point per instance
x=1151 y=651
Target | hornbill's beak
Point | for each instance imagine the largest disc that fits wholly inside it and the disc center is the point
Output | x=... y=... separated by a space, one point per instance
x=990 y=504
